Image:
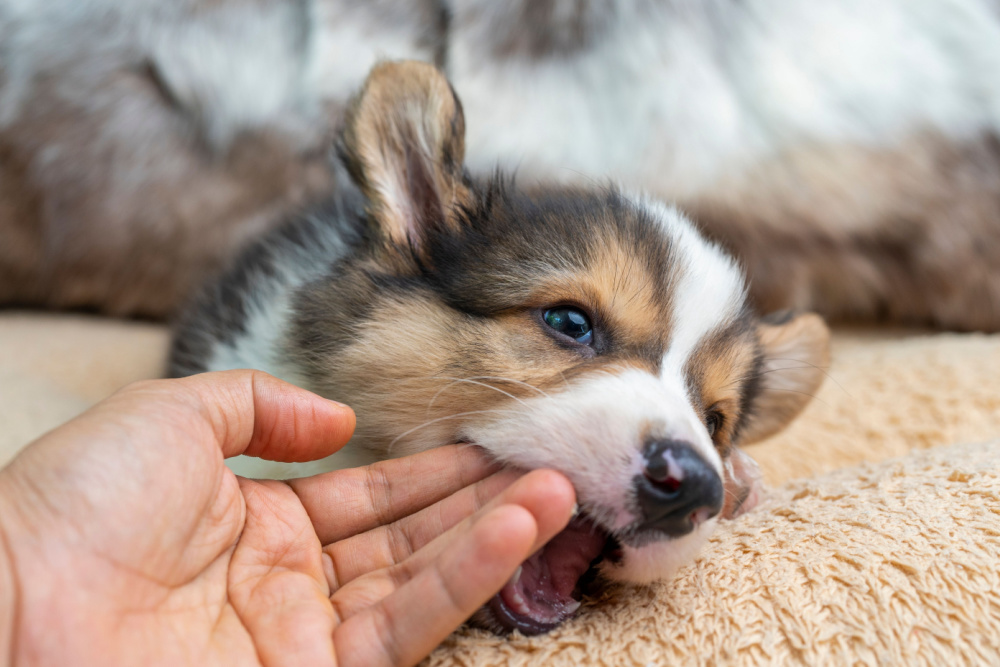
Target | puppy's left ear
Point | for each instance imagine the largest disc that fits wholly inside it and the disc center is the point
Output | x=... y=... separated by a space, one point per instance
x=404 y=144
x=796 y=354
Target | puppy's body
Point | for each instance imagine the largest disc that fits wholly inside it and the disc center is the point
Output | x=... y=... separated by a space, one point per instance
x=846 y=152
x=584 y=330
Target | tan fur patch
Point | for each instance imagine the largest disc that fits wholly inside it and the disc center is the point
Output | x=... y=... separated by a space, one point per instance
x=635 y=302
x=440 y=371
x=718 y=370
x=620 y=292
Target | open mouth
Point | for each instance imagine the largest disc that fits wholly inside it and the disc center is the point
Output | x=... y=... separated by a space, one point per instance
x=546 y=589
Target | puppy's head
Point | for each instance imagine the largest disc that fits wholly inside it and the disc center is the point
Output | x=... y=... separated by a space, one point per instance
x=586 y=331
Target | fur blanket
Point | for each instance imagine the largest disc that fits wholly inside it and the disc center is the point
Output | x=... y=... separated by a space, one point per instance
x=879 y=542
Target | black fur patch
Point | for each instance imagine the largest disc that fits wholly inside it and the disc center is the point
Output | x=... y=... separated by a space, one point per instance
x=218 y=314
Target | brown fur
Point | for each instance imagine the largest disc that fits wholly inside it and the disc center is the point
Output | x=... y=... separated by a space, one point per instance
x=910 y=235
x=719 y=370
x=73 y=237
x=784 y=360
x=627 y=294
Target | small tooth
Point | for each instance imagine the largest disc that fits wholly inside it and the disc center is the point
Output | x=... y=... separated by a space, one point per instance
x=576 y=510
x=516 y=577
x=572 y=606
x=518 y=605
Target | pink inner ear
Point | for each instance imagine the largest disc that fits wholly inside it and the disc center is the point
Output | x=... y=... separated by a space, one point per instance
x=744 y=485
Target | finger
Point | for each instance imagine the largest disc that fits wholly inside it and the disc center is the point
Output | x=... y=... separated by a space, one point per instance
x=347 y=502
x=257 y=414
x=276 y=582
x=407 y=625
x=547 y=494
x=388 y=545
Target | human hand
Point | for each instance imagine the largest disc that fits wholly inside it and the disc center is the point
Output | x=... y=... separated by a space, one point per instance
x=124 y=539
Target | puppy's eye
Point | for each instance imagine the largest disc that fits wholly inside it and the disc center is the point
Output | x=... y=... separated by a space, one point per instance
x=570 y=322
x=712 y=422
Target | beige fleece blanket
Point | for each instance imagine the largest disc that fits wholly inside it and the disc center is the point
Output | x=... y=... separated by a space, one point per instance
x=894 y=561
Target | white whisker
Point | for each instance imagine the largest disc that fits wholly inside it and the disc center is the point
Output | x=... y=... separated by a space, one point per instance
x=474 y=380
x=388 y=450
x=455 y=381
x=503 y=379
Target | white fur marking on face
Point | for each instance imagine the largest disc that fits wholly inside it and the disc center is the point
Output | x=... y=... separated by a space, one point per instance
x=707 y=294
x=593 y=431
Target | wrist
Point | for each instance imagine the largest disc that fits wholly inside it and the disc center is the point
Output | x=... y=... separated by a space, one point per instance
x=9 y=587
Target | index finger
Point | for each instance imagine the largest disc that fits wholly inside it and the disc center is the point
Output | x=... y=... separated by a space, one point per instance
x=404 y=627
x=344 y=503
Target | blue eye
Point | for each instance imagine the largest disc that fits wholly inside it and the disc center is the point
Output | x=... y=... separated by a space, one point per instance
x=570 y=322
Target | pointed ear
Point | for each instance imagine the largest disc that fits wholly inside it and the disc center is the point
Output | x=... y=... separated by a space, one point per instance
x=404 y=143
x=796 y=354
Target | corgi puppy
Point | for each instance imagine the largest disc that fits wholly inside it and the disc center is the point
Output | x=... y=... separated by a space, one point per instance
x=590 y=331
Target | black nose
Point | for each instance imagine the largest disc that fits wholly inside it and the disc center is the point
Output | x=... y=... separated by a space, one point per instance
x=678 y=488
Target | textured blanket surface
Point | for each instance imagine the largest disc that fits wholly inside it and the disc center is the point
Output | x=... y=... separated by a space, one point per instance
x=887 y=394
x=881 y=564
x=879 y=542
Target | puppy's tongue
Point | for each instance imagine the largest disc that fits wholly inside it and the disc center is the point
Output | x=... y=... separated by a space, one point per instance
x=542 y=593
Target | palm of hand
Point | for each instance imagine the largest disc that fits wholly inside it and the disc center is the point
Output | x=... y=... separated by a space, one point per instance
x=188 y=564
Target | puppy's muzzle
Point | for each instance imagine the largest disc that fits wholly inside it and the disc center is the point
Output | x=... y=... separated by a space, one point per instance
x=678 y=489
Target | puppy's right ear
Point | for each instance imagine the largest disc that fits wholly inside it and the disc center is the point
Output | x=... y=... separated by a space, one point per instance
x=404 y=143
x=795 y=351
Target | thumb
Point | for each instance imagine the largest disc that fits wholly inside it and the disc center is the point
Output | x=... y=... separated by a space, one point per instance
x=257 y=414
